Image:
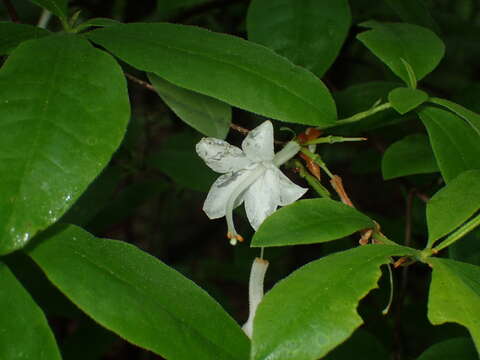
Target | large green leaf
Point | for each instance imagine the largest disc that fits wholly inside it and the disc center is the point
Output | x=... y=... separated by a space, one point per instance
x=455 y=144
x=24 y=331
x=209 y=116
x=455 y=295
x=61 y=118
x=308 y=32
x=406 y=99
x=12 y=34
x=414 y=12
x=308 y=222
x=394 y=42
x=408 y=156
x=138 y=297
x=236 y=71
x=453 y=204
x=57 y=7
x=460 y=348
x=469 y=116
x=314 y=309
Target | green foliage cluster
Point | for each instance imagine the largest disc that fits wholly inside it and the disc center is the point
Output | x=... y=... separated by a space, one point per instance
x=81 y=152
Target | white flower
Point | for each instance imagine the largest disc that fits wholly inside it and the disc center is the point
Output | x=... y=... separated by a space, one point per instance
x=251 y=176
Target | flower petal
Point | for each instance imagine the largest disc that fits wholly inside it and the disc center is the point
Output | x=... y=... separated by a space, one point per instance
x=220 y=156
x=289 y=191
x=220 y=191
x=258 y=145
x=262 y=197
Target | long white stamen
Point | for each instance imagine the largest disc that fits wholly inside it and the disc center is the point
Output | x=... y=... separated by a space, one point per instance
x=255 y=292
x=249 y=180
x=288 y=152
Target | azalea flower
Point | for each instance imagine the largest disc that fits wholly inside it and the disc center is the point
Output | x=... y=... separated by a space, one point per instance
x=250 y=175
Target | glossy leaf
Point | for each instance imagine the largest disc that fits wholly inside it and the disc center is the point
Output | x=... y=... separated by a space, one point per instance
x=24 y=330
x=453 y=205
x=456 y=348
x=57 y=7
x=209 y=116
x=455 y=295
x=12 y=34
x=178 y=160
x=408 y=156
x=414 y=12
x=392 y=42
x=308 y=32
x=138 y=297
x=406 y=99
x=62 y=117
x=469 y=116
x=455 y=144
x=225 y=67
x=309 y=222
x=313 y=310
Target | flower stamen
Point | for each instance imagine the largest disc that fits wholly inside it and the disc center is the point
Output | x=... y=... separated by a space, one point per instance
x=253 y=176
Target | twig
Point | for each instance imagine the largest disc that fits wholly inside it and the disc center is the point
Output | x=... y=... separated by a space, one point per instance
x=239 y=128
x=11 y=11
x=140 y=82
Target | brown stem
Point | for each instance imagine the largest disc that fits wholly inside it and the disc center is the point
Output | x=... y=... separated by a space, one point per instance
x=11 y=11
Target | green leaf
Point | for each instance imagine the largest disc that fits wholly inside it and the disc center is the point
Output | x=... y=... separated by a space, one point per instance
x=409 y=156
x=472 y=118
x=457 y=348
x=310 y=33
x=225 y=67
x=209 y=116
x=406 y=99
x=12 y=34
x=309 y=222
x=57 y=7
x=455 y=144
x=392 y=42
x=62 y=117
x=138 y=297
x=24 y=330
x=414 y=12
x=453 y=205
x=180 y=162
x=313 y=310
x=455 y=295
